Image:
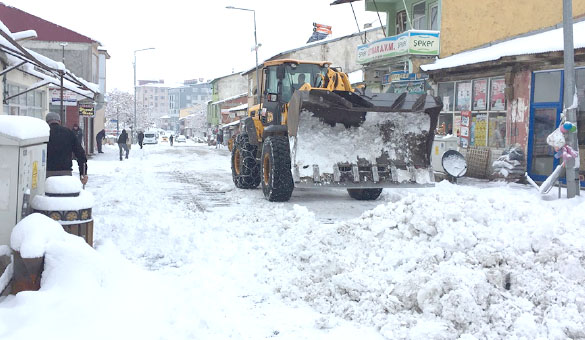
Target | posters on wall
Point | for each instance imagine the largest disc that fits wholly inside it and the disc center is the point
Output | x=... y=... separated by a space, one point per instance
x=480 y=94
x=479 y=130
x=498 y=100
x=463 y=96
x=465 y=128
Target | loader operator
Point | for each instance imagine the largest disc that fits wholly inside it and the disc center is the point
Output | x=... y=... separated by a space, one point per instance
x=301 y=81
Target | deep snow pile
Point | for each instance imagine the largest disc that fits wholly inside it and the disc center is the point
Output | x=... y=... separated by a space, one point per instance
x=320 y=144
x=457 y=261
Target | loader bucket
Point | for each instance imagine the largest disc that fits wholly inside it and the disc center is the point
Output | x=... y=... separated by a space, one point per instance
x=361 y=139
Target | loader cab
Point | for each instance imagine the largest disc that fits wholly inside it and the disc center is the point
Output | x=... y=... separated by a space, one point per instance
x=283 y=79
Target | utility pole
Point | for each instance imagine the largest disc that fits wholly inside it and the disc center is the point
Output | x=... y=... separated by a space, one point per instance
x=61 y=73
x=571 y=167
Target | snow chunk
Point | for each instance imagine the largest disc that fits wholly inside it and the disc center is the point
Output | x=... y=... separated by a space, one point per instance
x=85 y=200
x=23 y=127
x=63 y=185
x=32 y=234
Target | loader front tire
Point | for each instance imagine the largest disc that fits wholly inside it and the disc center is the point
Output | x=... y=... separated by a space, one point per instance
x=364 y=194
x=276 y=178
x=245 y=168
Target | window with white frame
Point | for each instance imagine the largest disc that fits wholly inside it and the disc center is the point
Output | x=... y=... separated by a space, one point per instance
x=401 y=20
x=30 y=104
x=419 y=17
x=434 y=17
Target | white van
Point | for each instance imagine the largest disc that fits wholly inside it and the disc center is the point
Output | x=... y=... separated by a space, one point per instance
x=150 y=138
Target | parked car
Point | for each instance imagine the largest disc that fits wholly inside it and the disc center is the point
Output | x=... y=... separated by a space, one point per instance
x=150 y=138
x=181 y=139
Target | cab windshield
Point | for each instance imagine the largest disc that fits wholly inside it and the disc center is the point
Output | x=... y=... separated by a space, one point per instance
x=297 y=74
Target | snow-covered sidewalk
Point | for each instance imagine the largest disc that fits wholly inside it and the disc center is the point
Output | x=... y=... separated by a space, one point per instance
x=181 y=254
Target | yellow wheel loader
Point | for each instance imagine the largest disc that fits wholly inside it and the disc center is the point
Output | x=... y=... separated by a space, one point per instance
x=312 y=129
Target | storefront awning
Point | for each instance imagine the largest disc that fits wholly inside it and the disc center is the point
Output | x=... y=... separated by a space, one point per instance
x=549 y=41
x=46 y=70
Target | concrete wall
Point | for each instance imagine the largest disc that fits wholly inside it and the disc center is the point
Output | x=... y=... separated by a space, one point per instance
x=230 y=86
x=467 y=24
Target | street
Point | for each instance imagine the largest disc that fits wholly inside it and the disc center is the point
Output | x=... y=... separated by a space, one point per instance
x=324 y=266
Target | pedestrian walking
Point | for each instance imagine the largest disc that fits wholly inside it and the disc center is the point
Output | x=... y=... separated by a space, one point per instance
x=171 y=140
x=78 y=133
x=140 y=138
x=122 y=143
x=219 y=139
x=99 y=139
x=63 y=143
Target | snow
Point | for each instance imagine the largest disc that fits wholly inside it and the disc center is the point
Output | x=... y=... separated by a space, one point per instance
x=32 y=235
x=62 y=185
x=323 y=145
x=455 y=165
x=547 y=41
x=45 y=203
x=23 y=127
x=181 y=254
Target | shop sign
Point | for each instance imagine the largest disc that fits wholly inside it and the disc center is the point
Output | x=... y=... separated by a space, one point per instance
x=412 y=87
x=86 y=110
x=410 y=42
x=69 y=97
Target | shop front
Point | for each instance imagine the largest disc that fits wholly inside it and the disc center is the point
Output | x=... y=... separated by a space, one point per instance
x=546 y=107
x=392 y=64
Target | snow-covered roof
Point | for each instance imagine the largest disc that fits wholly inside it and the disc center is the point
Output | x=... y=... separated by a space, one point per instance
x=230 y=98
x=230 y=124
x=165 y=117
x=239 y=108
x=548 y=41
x=23 y=130
x=37 y=65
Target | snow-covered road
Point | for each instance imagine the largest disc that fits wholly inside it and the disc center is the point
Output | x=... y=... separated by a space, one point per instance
x=182 y=254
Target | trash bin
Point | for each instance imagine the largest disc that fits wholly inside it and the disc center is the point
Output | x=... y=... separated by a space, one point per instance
x=442 y=144
x=67 y=203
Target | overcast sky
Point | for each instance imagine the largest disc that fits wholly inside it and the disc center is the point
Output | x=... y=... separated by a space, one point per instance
x=193 y=39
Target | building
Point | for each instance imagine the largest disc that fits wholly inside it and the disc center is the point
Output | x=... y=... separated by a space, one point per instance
x=193 y=93
x=81 y=55
x=224 y=89
x=152 y=101
x=500 y=78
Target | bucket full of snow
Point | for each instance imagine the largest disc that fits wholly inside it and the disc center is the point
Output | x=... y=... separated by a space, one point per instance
x=454 y=163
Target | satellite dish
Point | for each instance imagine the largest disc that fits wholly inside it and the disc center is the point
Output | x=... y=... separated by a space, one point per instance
x=454 y=163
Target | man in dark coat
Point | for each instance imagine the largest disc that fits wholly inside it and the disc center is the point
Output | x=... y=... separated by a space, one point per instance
x=122 y=139
x=62 y=144
x=171 y=139
x=78 y=133
x=98 y=138
x=140 y=138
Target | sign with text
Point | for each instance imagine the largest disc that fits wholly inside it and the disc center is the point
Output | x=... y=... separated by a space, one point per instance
x=410 y=42
x=86 y=110
x=465 y=125
x=69 y=97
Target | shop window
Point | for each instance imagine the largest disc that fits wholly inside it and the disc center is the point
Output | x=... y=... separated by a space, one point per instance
x=480 y=95
x=434 y=17
x=463 y=100
x=445 y=125
x=497 y=95
x=446 y=93
x=419 y=18
x=547 y=87
x=497 y=130
x=401 y=22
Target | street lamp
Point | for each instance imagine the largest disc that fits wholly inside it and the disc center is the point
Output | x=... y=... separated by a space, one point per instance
x=143 y=49
x=62 y=108
x=255 y=48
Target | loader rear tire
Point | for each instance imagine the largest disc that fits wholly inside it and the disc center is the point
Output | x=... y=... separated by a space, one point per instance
x=245 y=168
x=276 y=178
x=364 y=194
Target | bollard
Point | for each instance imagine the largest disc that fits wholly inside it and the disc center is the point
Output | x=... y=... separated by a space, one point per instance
x=27 y=273
x=67 y=203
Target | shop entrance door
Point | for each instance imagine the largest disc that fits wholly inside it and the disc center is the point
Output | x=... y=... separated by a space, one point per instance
x=545 y=110
x=541 y=161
